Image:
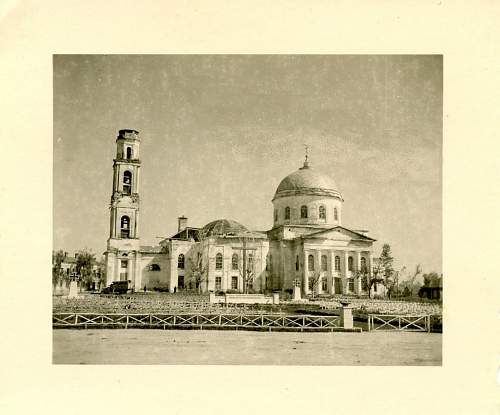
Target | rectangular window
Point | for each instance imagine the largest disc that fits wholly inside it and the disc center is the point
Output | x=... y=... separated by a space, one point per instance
x=324 y=284
x=180 y=282
x=338 y=286
x=350 y=284
x=234 y=283
x=218 y=283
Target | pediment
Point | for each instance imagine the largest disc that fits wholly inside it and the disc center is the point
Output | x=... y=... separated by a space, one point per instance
x=338 y=233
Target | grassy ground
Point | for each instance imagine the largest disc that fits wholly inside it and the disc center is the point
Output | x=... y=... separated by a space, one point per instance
x=165 y=302
x=191 y=347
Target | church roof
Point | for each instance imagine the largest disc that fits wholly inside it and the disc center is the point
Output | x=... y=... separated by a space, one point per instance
x=187 y=233
x=307 y=180
x=221 y=227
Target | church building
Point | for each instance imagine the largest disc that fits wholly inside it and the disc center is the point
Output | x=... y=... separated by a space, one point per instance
x=307 y=245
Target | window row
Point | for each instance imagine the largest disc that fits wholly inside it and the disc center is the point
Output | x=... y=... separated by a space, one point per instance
x=324 y=263
x=219 y=261
x=234 y=283
x=304 y=213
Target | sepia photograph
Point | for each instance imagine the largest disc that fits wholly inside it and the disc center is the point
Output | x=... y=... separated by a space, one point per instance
x=235 y=207
x=247 y=210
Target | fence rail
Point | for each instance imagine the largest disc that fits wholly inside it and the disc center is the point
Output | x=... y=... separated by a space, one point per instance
x=197 y=320
x=384 y=322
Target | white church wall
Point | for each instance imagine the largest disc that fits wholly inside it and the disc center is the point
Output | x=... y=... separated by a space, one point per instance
x=151 y=278
x=313 y=203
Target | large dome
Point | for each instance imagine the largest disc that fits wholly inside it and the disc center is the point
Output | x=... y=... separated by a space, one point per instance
x=306 y=180
x=221 y=227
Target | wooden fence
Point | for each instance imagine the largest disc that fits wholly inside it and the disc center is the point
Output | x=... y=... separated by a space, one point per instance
x=200 y=321
x=385 y=322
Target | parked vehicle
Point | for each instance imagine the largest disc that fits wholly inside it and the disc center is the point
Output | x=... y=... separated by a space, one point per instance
x=117 y=287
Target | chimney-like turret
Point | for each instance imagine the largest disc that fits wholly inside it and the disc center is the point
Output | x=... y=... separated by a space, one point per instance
x=183 y=222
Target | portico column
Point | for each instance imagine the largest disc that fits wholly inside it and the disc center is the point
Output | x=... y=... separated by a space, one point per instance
x=305 y=282
x=331 y=267
x=317 y=271
x=346 y=272
x=357 y=284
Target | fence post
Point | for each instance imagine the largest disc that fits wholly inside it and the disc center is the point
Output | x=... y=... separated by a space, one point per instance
x=369 y=325
x=126 y=322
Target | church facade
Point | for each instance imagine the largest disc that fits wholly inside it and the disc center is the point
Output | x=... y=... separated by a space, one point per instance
x=307 y=245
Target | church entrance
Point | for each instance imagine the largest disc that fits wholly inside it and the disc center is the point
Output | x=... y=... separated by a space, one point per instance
x=337 y=283
x=180 y=282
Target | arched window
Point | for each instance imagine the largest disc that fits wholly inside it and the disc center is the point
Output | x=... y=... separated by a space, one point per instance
x=324 y=263
x=129 y=153
x=335 y=214
x=125 y=227
x=127 y=182
x=154 y=267
x=297 y=263
x=322 y=212
x=363 y=264
x=287 y=212
x=337 y=263
x=180 y=261
x=350 y=263
x=234 y=261
x=303 y=212
x=310 y=263
x=218 y=261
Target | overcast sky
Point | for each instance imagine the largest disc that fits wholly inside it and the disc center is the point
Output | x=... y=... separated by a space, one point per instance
x=220 y=132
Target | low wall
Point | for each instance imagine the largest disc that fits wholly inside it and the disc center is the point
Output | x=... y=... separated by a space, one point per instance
x=244 y=299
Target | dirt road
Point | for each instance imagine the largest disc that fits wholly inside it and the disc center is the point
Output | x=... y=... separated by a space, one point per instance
x=134 y=346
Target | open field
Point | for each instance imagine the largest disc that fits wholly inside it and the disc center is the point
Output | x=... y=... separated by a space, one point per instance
x=190 y=347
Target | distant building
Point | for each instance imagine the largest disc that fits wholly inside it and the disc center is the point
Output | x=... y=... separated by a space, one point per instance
x=68 y=268
x=307 y=244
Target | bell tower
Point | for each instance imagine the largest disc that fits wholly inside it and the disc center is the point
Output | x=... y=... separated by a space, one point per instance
x=122 y=255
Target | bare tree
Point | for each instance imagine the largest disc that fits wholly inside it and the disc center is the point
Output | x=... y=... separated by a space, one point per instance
x=198 y=268
x=376 y=279
x=314 y=281
x=85 y=261
x=57 y=274
x=246 y=267
x=409 y=284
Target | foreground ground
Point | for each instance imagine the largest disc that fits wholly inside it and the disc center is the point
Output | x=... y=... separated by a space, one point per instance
x=135 y=346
